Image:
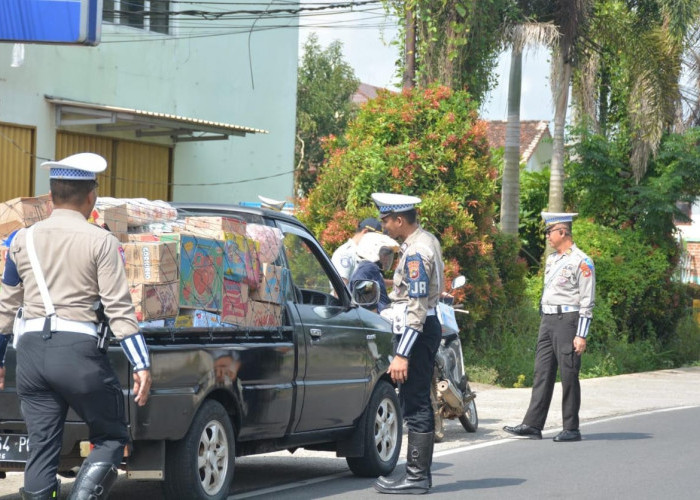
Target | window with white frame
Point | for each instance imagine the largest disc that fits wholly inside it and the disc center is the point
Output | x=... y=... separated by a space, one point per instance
x=150 y=15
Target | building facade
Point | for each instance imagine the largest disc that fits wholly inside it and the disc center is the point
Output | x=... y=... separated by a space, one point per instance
x=186 y=107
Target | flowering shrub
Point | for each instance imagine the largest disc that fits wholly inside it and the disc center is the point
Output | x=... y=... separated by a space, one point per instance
x=427 y=142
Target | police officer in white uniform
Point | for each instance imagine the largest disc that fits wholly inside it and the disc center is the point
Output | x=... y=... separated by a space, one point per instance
x=567 y=304
x=58 y=271
x=418 y=284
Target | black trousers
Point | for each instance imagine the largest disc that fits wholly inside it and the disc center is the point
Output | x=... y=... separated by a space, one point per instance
x=555 y=349
x=66 y=370
x=414 y=394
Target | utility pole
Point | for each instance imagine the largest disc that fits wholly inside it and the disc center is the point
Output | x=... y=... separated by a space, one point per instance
x=409 y=73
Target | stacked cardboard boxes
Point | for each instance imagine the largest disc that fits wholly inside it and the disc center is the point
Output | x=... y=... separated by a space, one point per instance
x=153 y=274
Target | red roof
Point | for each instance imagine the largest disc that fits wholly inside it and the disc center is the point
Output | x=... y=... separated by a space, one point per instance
x=531 y=133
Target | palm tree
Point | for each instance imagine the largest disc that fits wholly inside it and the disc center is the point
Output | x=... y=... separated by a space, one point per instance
x=570 y=17
x=518 y=37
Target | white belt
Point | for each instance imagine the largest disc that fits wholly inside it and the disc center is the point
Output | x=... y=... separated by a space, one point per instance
x=547 y=309
x=61 y=325
x=431 y=312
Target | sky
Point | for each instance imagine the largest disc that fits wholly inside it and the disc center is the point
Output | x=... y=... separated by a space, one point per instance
x=366 y=35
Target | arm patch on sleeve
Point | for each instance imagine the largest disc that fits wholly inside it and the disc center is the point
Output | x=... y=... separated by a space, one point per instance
x=416 y=276
x=10 y=276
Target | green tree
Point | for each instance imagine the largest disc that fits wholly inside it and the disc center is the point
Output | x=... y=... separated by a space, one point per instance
x=518 y=36
x=325 y=84
x=457 y=41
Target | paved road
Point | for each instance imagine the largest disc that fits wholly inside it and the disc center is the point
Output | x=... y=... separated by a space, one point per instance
x=603 y=398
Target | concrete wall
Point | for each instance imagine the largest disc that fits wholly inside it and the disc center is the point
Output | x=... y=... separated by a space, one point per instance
x=225 y=76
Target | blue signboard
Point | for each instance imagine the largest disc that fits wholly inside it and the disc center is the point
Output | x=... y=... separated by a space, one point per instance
x=51 y=21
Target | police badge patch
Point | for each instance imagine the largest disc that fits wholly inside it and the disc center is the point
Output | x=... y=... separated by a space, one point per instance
x=417 y=276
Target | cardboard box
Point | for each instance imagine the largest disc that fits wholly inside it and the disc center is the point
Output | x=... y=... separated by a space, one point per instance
x=242 y=261
x=201 y=272
x=274 y=285
x=234 y=307
x=264 y=314
x=215 y=227
x=155 y=300
x=23 y=212
x=136 y=237
x=151 y=261
x=110 y=216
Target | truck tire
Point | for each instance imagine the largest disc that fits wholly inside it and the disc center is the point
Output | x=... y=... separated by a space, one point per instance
x=200 y=465
x=383 y=434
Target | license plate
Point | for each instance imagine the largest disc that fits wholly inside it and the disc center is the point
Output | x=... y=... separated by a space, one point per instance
x=14 y=448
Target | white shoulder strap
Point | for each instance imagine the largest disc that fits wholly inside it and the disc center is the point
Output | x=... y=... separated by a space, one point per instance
x=38 y=274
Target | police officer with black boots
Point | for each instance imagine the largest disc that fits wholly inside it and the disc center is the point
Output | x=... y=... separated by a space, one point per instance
x=58 y=271
x=418 y=283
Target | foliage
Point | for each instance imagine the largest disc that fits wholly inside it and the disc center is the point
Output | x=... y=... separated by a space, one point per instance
x=534 y=188
x=430 y=143
x=457 y=42
x=633 y=282
x=601 y=182
x=325 y=84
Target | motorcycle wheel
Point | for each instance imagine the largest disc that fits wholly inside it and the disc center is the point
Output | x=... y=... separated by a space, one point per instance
x=439 y=422
x=470 y=419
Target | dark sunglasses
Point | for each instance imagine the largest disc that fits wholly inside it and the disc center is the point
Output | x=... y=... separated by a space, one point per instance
x=550 y=229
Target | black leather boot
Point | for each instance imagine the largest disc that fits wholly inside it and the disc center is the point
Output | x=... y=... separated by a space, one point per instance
x=93 y=481
x=53 y=492
x=416 y=480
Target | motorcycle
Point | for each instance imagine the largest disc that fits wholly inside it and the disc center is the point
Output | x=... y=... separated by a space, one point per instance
x=450 y=393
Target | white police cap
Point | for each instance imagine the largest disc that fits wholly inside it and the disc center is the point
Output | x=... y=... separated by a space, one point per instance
x=389 y=203
x=78 y=167
x=551 y=218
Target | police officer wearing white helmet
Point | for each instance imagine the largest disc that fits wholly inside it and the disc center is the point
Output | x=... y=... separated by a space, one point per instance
x=375 y=254
x=58 y=271
x=418 y=284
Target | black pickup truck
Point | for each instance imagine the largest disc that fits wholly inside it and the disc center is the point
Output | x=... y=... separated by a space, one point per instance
x=317 y=382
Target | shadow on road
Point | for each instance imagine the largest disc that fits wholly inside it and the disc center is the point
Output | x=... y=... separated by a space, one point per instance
x=478 y=484
x=616 y=436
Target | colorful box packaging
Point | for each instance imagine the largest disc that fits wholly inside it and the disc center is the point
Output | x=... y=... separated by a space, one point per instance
x=274 y=285
x=219 y=228
x=234 y=309
x=23 y=212
x=196 y=318
x=201 y=272
x=155 y=300
x=151 y=261
x=242 y=262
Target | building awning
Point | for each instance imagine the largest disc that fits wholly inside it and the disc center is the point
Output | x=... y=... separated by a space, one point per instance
x=108 y=119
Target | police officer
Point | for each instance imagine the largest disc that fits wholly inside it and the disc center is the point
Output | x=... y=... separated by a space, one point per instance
x=58 y=270
x=567 y=309
x=418 y=283
x=345 y=256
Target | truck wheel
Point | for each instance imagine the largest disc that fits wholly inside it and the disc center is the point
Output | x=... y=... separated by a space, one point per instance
x=200 y=465
x=383 y=434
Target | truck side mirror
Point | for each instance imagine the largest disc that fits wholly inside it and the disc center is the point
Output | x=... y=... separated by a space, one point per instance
x=365 y=293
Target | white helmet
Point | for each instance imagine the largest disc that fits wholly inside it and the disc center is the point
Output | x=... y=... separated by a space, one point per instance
x=377 y=247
